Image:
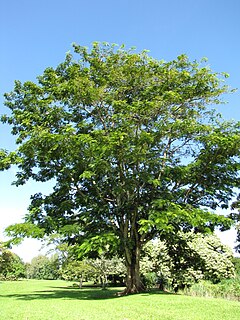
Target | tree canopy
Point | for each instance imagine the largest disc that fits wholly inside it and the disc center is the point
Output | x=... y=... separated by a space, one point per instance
x=132 y=145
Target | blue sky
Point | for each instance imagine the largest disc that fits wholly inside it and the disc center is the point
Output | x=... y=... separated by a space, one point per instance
x=37 y=34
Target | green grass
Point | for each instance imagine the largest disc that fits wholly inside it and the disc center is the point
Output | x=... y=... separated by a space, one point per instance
x=59 y=300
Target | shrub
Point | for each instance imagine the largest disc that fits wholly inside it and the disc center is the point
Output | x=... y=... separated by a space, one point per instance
x=227 y=289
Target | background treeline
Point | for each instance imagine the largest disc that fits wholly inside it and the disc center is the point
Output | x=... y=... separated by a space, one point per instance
x=193 y=263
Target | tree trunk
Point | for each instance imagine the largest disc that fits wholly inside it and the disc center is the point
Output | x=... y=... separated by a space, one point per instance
x=133 y=281
x=104 y=281
x=80 y=282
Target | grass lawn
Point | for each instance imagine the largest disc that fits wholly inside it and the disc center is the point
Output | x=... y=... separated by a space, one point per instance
x=59 y=300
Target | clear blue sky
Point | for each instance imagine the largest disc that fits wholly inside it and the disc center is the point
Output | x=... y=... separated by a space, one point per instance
x=37 y=34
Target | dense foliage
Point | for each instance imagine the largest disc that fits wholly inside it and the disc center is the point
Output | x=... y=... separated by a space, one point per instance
x=11 y=265
x=131 y=145
x=42 y=267
x=236 y=261
x=235 y=215
x=179 y=263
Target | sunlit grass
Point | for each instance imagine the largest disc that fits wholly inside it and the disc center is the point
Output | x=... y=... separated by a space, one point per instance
x=58 y=300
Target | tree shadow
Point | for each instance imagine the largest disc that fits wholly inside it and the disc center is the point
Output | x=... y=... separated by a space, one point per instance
x=158 y=291
x=73 y=293
x=65 y=294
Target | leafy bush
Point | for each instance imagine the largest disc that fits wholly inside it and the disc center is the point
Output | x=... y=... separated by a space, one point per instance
x=150 y=280
x=8 y=277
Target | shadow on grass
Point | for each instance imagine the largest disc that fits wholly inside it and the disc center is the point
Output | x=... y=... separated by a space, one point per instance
x=74 y=293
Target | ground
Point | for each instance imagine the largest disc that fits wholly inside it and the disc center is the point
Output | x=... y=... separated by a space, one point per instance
x=59 y=300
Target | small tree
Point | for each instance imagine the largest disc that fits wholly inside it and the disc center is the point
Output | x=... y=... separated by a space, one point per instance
x=11 y=265
x=78 y=271
x=106 y=268
x=132 y=145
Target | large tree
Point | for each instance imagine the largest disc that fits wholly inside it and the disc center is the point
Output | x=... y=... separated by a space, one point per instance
x=132 y=146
